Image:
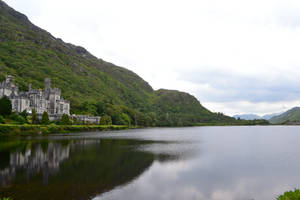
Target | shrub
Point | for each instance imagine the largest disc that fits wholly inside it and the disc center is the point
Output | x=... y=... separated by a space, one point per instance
x=2 y=120
x=34 y=117
x=45 y=118
x=24 y=114
x=29 y=119
x=17 y=118
x=65 y=120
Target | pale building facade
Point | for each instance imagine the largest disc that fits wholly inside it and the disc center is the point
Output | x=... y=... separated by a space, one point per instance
x=49 y=100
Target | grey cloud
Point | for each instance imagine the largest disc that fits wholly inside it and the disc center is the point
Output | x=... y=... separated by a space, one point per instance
x=229 y=86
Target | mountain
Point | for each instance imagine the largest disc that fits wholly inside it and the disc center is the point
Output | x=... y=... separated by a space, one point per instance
x=247 y=116
x=254 y=116
x=269 y=116
x=291 y=116
x=92 y=85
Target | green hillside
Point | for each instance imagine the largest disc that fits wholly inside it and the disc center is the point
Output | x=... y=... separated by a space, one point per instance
x=92 y=85
x=291 y=116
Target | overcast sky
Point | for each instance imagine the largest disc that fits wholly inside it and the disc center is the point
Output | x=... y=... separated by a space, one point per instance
x=235 y=56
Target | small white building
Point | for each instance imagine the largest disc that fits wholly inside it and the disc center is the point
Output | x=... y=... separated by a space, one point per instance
x=87 y=119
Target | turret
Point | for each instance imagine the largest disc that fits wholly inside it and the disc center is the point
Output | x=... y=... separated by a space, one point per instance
x=9 y=79
x=7 y=86
x=47 y=84
x=9 y=82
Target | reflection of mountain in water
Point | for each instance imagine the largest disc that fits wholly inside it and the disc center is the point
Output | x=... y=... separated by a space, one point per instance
x=89 y=168
x=35 y=160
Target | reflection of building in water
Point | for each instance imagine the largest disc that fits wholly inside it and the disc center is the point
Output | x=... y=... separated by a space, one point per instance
x=6 y=176
x=35 y=160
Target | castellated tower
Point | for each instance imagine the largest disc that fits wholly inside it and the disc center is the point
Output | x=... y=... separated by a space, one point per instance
x=8 y=87
x=9 y=80
x=47 y=84
x=53 y=95
x=29 y=87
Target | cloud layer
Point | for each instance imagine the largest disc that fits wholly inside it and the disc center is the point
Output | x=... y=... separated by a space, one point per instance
x=224 y=52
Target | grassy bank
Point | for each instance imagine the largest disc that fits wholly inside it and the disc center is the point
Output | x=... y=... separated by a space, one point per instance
x=14 y=129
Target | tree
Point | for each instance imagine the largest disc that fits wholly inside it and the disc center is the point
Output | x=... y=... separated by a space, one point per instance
x=65 y=120
x=34 y=117
x=100 y=107
x=105 y=120
x=126 y=119
x=45 y=118
x=89 y=107
x=5 y=106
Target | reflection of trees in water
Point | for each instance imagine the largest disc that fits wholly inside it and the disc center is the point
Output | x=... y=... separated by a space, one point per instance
x=35 y=160
x=89 y=168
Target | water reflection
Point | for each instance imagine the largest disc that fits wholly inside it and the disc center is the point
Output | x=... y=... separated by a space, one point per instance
x=207 y=163
x=33 y=160
x=72 y=168
x=234 y=163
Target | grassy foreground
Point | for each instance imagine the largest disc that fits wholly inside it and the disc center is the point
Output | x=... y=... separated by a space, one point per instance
x=15 y=129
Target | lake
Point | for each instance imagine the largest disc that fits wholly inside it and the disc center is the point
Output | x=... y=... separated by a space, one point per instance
x=217 y=163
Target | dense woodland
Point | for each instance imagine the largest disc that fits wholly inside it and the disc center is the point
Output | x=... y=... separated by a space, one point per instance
x=93 y=86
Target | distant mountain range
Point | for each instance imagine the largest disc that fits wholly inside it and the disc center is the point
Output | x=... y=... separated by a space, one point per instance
x=291 y=116
x=254 y=116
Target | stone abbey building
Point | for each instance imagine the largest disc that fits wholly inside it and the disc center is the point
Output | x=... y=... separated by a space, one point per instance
x=49 y=100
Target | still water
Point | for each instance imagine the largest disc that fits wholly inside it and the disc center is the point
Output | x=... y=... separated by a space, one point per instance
x=209 y=163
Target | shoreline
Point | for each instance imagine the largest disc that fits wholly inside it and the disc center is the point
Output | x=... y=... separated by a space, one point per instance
x=26 y=130
x=29 y=129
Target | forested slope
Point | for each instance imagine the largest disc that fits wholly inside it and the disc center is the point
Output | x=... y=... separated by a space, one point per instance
x=92 y=85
